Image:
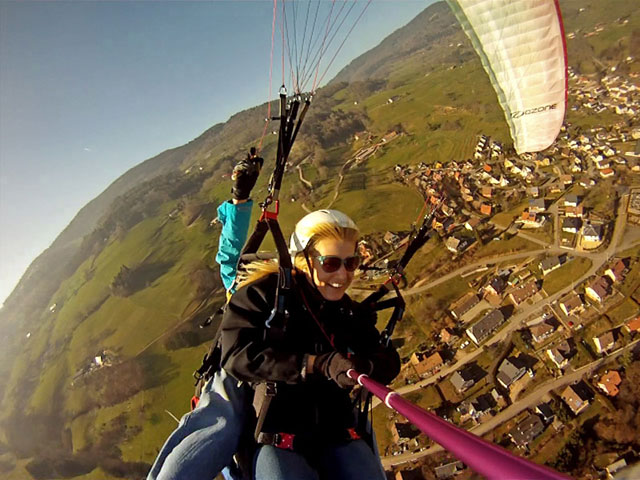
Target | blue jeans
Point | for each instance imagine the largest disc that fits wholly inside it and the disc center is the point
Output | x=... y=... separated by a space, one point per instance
x=350 y=461
x=206 y=438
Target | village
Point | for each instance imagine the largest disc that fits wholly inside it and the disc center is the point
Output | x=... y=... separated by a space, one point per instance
x=530 y=349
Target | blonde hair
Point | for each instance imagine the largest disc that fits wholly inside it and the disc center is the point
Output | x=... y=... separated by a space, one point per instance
x=254 y=271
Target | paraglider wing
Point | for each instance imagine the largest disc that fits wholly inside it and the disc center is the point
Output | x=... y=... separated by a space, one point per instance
x=522 y=47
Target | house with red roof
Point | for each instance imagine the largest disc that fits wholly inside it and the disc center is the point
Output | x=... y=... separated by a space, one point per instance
x=616 y=272
x=609 y=382
x=632 y=326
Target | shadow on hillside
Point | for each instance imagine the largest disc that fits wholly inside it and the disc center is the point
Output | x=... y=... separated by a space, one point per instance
x=146 y=274
x=157 y=370
x=201 y=329
x=103 y=452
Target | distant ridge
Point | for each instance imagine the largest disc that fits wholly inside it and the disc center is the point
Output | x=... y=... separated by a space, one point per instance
x=426 y=33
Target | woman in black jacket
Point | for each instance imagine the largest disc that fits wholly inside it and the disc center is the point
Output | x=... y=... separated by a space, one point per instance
x=309 y=430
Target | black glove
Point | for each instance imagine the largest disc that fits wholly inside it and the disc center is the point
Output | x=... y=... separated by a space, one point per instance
x=245 y=174
x=386 y=365
x=334 y=366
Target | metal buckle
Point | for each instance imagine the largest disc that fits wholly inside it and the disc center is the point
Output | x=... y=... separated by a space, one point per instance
x=272 y=389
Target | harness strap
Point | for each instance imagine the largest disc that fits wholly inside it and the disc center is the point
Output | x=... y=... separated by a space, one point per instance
x=210 y=364
x=264 y=393
x=278 y=440
x=293 y=442
x=253 y=243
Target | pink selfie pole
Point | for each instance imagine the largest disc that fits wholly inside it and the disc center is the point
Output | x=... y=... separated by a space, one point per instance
x=481 y=456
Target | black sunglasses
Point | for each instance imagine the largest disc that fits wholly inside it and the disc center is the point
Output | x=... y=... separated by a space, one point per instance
x=331 y=263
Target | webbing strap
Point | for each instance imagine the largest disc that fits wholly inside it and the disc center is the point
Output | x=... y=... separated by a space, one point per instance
x=264 y=393
x=255 y=240
x=281 y=244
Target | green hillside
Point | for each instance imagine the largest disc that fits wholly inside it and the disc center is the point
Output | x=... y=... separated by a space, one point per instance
x=134 y=274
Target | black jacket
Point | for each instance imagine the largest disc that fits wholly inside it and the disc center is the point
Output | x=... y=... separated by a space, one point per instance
x=313 y=405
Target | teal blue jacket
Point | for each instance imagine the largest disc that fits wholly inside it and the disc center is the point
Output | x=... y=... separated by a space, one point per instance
x=235 y=227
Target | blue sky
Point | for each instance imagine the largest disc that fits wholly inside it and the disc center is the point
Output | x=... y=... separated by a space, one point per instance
x=90 y=89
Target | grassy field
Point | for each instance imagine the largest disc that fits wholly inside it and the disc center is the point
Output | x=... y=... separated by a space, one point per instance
x=419 y=325
x=503 y=219
x=381 y=425
x=544 y=234
x=427 y=398
x=513 y=244
x=385 y=207
x=563 y=276
x=601 y=199
x=626 y=310
x=631 y=281
x=428 y=258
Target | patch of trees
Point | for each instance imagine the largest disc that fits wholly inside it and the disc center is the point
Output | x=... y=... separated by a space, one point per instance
x=59 y=467
x=574 y=452
x=119 y=468
x=623 y=425
x=140 y=202
x=363 y=89
x=45 y=433
x=144 y=200
x=332 y=128
x=329 y=127
x=130 y=280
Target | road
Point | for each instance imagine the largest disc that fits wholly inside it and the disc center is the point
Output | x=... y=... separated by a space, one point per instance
x=553 y=209
x=419 y=288
x=513 y=410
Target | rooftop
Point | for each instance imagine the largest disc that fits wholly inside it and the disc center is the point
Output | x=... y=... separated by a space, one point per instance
x=609 y=382
x=527 y=430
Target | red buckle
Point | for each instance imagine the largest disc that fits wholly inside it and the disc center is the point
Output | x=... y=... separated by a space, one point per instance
x=284 y=441
x=272 y=215
x=353 y=434
x=194 y=402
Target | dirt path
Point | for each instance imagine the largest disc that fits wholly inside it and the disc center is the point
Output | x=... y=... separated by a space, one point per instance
x=304 y=180
x=336 y=192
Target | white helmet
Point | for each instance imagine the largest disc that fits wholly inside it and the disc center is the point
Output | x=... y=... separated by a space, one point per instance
x=304 y=228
